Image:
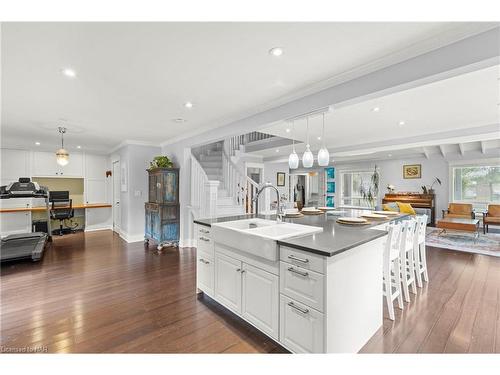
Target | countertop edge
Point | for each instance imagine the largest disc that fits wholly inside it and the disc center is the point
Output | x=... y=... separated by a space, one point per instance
x=332 y=253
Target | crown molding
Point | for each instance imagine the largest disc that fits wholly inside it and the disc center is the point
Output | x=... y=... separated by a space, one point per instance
x=128 y=142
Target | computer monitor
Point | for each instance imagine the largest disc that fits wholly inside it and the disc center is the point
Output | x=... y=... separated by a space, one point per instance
x=59 y=195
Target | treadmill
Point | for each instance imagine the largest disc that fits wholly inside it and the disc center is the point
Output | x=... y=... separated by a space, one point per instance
x=25 y=245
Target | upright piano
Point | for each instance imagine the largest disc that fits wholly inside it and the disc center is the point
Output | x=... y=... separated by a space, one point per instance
x=416 y=200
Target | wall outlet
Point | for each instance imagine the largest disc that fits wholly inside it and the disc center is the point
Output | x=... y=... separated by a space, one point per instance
x=137 y=193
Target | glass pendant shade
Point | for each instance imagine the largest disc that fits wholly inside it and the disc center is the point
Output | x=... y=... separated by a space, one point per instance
x=293 y=160
x=323 y=154
x=323 y=157
x=62 y=157
x=307 y=158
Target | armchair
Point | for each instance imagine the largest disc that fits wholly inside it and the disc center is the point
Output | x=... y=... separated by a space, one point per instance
x=459 y=210
x=491 y=217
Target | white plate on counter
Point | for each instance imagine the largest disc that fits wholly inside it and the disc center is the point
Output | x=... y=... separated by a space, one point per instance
x=352 y=220
x=394 y=213
x=374 y=216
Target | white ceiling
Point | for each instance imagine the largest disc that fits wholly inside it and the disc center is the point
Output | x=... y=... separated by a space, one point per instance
x=133 y=78
x=452 y=105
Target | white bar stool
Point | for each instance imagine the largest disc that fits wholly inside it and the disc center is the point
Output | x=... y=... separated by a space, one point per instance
x=391 y=269
x=419 y=253
x=406 y=258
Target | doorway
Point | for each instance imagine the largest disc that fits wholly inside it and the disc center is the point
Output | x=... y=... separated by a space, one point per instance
x=116 y=196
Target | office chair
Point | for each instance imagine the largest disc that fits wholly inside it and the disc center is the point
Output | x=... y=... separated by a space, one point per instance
x=61 y=209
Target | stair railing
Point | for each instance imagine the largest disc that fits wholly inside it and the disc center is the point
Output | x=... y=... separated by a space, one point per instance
x=237 y=184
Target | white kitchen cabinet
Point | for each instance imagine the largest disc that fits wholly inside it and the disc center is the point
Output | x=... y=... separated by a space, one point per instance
x=260 y=306
x=228 y=282
x=205 y=273
x=301 y=327
x=303 y=285
x=98 y=218
x=95 y=191
x=95 y=166
x=45 y=165
x=15 y=223
x=74 y=168
x=15 y=164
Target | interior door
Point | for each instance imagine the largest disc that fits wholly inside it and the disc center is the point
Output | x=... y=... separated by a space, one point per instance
x=260 y=299
x=116 y=196
x=228 y=282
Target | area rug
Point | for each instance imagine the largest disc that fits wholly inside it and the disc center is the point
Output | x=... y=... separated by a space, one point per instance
x=487 y=244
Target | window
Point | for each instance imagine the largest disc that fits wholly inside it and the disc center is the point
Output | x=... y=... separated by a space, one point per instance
x=351 y=182
x=479 y=184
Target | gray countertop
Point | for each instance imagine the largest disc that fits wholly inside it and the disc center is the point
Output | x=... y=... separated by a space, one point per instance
x=335 y=238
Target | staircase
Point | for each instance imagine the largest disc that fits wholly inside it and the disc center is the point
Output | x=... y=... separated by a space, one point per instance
x=214 y=163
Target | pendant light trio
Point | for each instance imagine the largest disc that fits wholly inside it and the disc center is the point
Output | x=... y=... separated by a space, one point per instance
x=308 y=157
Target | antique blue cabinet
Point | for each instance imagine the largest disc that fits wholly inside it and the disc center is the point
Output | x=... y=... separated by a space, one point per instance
x=162 y=209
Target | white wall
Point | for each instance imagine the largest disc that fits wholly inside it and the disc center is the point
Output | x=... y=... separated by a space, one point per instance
x=391 y=172
x=134 y=159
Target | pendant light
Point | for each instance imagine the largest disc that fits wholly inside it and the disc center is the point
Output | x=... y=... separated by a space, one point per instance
x=323 y=154
x=307 y=158
x=62 y=156
x=293 y=159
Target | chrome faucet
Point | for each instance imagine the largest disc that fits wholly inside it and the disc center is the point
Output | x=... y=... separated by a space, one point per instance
x=278 y=206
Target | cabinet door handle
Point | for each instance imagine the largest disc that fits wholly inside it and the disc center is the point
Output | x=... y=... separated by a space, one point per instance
x=204 y=239
x=204 y=231
x=293 y=257
x=238 y=270
x=291 y=269
x=303 y=311
x=204 y=261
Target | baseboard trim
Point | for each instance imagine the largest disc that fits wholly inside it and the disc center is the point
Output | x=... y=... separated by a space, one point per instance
x=107 y=227
x=131 y=238
x=190 y=242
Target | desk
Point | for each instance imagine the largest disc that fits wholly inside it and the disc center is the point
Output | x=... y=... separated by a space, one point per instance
x=94 y=216
x=42 y=208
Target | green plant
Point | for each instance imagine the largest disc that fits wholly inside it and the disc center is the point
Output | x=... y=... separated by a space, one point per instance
x=161 y=162
x=369 y=192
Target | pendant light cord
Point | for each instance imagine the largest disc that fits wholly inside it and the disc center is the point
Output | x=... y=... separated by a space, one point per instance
x=323 y=132
x=307 y=121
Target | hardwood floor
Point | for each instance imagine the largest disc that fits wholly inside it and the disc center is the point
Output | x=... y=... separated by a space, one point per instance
x=95 y=293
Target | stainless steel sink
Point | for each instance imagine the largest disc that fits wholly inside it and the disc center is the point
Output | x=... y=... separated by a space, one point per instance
x=258 y=236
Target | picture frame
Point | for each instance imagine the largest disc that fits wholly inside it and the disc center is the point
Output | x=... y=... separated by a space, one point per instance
x=280 y=178
x=412 y=171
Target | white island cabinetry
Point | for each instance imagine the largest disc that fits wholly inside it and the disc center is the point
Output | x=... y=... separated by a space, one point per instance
x=307 y=302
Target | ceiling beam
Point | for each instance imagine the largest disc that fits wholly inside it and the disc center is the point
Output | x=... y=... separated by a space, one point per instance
x=441 y=148
x=461 y=148
x=426 y=153
x=467 y=55
x=483 y=147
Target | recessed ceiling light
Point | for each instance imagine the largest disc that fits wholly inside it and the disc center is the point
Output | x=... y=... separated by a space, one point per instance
x=288 y=130
x=277 y=150
x=78 y=146
x=276 y=51
x=69 y=72
x=375 y=109
x=178 y=120
x=188 y=105
x=319 y=138
x=37 y=143
x=389 y=155
x=401 y=123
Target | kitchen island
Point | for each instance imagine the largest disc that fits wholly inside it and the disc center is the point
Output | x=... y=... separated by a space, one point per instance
x=317 y=293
